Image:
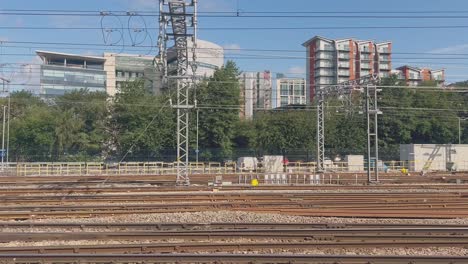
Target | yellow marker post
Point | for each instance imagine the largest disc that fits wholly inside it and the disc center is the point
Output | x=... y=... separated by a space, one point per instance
x=254 y=183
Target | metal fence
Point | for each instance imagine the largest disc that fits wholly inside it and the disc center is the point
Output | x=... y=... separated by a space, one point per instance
x=167 y=168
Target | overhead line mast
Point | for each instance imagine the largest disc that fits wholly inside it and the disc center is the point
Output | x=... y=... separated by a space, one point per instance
x=178 y=23
x=344 y=91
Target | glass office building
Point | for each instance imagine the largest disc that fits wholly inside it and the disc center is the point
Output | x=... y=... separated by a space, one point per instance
x=61 y=73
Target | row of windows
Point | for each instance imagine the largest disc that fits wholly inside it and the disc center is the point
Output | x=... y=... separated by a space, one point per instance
x=288 y=100
x=75 y=77
x=126 y=74
x=292 y=89
x=60 y=90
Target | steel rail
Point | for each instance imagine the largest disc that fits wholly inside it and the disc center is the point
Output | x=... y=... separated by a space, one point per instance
x=423 y=236
x=235 y=226
x=217 y=258
x=222 y=247
x=141 y=189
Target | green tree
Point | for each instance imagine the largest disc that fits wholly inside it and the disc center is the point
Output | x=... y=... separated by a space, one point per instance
x=32 y=128
x=142 y=125
x=81 y=128
x=219 y=97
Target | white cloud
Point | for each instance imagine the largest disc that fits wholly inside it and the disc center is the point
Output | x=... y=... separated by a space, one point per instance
x=296 y=70
x=25 y=76
x=232 y=48
x=451 y=49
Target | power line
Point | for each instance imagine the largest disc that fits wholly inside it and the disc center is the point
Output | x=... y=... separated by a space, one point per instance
x=244 y=28
x=334 y=15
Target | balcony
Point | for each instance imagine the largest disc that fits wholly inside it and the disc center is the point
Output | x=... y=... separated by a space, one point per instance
x=365 y=58
x=324 y=56
x=384 y=67
x=343 y=65
x=323 y=64
x=343 y=56
x=366 y=66
x=384 y=50
x=343 y=73
x=384 y=58
x=324 y=73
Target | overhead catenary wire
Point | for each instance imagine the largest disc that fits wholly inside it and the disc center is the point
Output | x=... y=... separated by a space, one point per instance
x=243 y=28
x=247 y=14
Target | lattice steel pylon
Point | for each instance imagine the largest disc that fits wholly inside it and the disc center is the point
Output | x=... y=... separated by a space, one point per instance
x=345 y=91
x=178 y=23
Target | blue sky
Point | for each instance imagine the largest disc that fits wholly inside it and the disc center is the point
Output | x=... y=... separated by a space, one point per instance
x=439 y=41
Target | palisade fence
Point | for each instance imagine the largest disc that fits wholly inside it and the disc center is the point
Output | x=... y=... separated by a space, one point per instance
x=211 y=168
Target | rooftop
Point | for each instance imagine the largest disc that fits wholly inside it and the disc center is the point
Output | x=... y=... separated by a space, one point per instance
x=59 y=55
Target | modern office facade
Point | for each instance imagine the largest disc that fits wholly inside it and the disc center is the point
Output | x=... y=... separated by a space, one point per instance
x=414 y=76
x=256 y=93
x=121 y=68
x=290 y=91
x=335 y=61
x=62 y=72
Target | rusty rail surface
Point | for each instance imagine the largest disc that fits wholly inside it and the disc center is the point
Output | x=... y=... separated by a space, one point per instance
x=71 y=189
x=218 y=258
x=352 y=204
x=203 y=179
x=229 y=226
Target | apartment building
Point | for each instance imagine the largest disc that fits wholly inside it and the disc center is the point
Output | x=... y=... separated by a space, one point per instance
x=335 y=61
x=256 y=92
x=415 y=76
x=290 y=91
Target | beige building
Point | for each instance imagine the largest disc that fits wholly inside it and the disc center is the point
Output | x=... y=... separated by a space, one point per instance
x=290 y=91
x=435 y=157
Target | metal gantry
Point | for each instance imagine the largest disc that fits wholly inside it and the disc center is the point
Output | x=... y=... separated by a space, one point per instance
x=178 y=23
x=344 y=91
x=372 y=114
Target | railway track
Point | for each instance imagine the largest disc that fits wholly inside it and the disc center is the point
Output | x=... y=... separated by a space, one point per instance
x=226 y=258
x=203 y=179
x=344 y=204
x=216 y=226
x=224 y=237
x=135 y=188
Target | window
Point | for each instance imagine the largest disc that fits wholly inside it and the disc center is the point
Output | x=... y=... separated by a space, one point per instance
x=344 y=56
x=327 y=47
x=323 y=55
x=284 y=89
x=284 y=100
x=384 y=57
x=384 y=74
x=364 y=73
x=297 y=89
x=343 y=72
x=384 y=66
x=344 y=64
